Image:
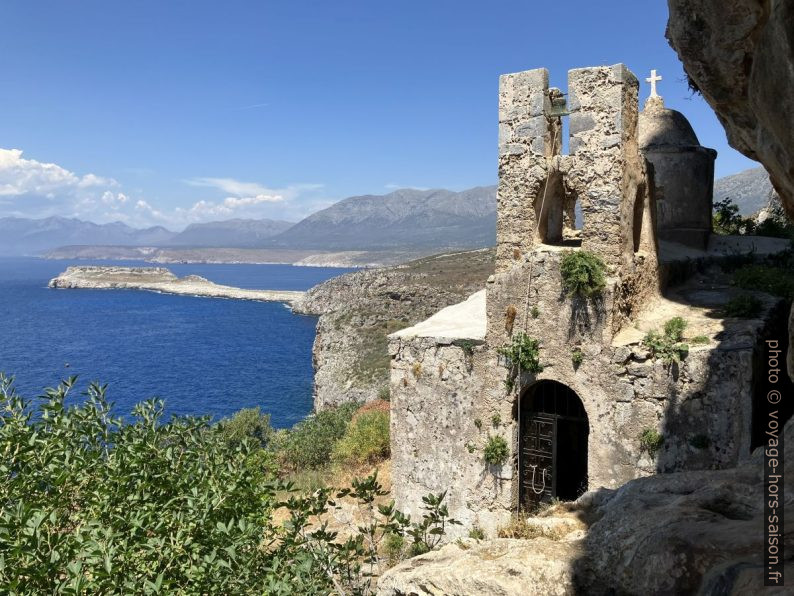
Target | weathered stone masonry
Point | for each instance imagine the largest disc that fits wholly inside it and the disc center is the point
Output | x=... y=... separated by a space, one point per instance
x=448 y=381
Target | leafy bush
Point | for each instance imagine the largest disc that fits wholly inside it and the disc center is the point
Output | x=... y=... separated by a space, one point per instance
x=772 y=280
x=384 y=393
x=743 y=306
x=310 y=443
x=91 y=505
x=651 y=441
x=535 y=312
x=477 y=533
x=524 y=352
x=583 y=273
x=496 y=451
x=727 y=221
x=668 y=345
x=366 y=439
x=699 y=340
x=248 y=423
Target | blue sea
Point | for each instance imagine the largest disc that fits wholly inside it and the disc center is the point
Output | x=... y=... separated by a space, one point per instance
x=203 y=356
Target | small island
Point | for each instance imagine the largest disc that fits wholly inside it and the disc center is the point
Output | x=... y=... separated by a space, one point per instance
x=160 y=279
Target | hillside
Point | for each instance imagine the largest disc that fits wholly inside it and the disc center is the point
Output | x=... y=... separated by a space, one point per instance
x=406 y=218
x=749 y=189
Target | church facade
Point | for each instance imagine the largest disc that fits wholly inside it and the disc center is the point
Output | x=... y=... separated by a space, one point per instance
x=601 y=407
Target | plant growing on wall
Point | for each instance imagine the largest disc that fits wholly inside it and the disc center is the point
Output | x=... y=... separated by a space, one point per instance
x=577 y=356
x=668 y=345
x=495 y=451
x=524 y=352
x=583 y=273
x=651 y=441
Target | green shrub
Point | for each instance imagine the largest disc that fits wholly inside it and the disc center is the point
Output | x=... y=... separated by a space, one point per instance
x=535 y=312
x=92 y=505
x=727 y=221
x=478 y=423
x=477 y=533
x=310 y=443
x=496 y=419
x=743 y=306
x=577 y=356
x=700 y=340
x=674 y=328
x=524 y=352
x=772 y=280
x=496 y=451
x=583 y=273
x=366 y=439
x=651 y=441
x=668 y=345
x=248 y=423
x=384 y=393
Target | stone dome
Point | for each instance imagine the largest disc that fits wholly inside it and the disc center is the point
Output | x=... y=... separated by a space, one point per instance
x=660 y=126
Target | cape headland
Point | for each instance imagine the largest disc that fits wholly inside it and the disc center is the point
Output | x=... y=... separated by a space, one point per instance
x=160 y=279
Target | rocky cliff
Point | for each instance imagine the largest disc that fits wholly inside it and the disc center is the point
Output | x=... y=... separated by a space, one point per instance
x=740 y=56
x=358 y=310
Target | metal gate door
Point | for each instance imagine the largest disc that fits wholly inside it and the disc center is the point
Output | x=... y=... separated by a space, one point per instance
x=552 y=445
x=537 y=460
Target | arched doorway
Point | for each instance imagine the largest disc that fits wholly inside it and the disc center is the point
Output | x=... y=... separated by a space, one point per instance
x=553 y=433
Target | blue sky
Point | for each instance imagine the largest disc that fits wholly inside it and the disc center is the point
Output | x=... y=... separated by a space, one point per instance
x=165 y=112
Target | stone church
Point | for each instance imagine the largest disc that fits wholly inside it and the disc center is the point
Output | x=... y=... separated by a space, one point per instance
x=635 y=189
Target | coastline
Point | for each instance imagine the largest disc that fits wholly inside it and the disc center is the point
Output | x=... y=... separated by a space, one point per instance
x=162 y=280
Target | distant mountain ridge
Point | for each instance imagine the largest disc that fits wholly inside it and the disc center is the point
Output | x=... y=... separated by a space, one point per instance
x=236 y=233
x=404 y=218
x=20 y=235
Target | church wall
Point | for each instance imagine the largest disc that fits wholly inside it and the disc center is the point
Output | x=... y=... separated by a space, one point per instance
x=444 y=401
x=436 y=439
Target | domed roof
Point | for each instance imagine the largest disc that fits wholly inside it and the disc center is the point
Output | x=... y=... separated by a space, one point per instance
x=661 y=126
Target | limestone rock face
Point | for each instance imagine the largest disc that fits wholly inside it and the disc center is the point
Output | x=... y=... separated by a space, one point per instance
x=501 y=567
x=739 y=54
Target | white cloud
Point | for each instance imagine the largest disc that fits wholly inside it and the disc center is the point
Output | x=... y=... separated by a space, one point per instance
x=20 y=176
x=30 y=188
x=231 y=186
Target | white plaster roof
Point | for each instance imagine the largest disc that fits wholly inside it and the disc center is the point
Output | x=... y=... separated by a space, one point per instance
x=465 y=320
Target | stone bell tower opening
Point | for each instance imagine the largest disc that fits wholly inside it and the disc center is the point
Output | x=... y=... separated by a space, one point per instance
x=553 y=435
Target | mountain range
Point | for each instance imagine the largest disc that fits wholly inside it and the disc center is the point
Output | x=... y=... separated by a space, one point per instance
x=406 y=219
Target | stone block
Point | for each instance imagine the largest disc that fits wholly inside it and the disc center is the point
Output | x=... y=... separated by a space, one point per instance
x=537 y=126
x=581 y=122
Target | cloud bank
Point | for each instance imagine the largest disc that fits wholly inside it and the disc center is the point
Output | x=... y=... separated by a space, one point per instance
x=31 y=188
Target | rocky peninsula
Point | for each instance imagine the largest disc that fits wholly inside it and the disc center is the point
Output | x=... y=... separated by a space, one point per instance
x=160 y=279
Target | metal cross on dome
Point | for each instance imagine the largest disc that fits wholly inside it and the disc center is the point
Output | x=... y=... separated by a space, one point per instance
x=653 y=79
